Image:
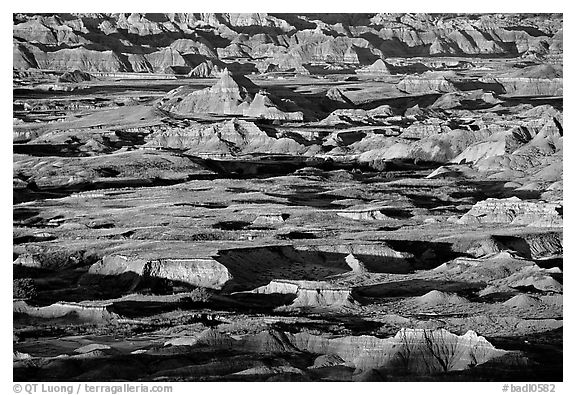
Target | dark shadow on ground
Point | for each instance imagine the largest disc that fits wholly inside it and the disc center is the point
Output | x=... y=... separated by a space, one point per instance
x=254 y=267
x=416 y=287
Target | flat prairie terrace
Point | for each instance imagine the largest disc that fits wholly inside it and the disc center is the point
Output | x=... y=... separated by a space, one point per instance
x=287 y=197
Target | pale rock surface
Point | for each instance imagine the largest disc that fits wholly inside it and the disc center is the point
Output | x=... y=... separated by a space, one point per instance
x=415 y=350
x=229 y=138
x=436 y=298
x=84 y=311
x=197 y=272
x=91 y=347
x=378 y=67
x=231 y=95
x=514 y=211
x=311 y=294
x=426 y=83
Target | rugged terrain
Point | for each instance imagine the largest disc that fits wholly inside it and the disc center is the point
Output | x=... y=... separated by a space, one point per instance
x=286 y=197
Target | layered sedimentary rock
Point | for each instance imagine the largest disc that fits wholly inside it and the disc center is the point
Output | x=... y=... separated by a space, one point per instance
x=269 y=219
x=87 y=312
x=161 y=61
x=375 y=116
x=365 y=213
x=278 y=287
x=75 y=76
x=229 y=138
x=438 y=147
x=418 y=351
x=196 y=46
x=51 y=258
x=208 y=337
x=80 y=58
x=286 y=226
x=514 y=211
x=536 y=245
x=282 y=41
x=467 y=99
x=427 y=83
x=208 y=68
x=262 y=106
x=537 y=155
x=311 y=294
x=323 y=296
x=197 y=272
x=538 y=80
x=378 y=67
x=335 y=95
x=498 y=144
x=231 y=95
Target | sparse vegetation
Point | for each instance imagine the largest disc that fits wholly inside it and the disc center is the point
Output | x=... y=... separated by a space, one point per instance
x=24 y=288
x=199 y=295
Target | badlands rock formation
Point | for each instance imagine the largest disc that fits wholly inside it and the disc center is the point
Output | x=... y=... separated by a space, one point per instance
x=427 y=83
x=311 y=294
x=415 y=351
x=514 y=211
x=438 y=297
x=151 y=42
x=287 y=197
x=234 y=137
x=231 y=95
x=196 y=272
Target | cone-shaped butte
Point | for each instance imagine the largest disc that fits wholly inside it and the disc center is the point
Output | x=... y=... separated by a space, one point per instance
x=231 y=95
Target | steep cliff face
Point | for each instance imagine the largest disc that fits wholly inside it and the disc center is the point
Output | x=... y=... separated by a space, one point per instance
x=514 y=211
x=311 y=294
x=195 y=272
x=143 y=42
x=323 y=297
x=537 y=80
x=79 y=58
